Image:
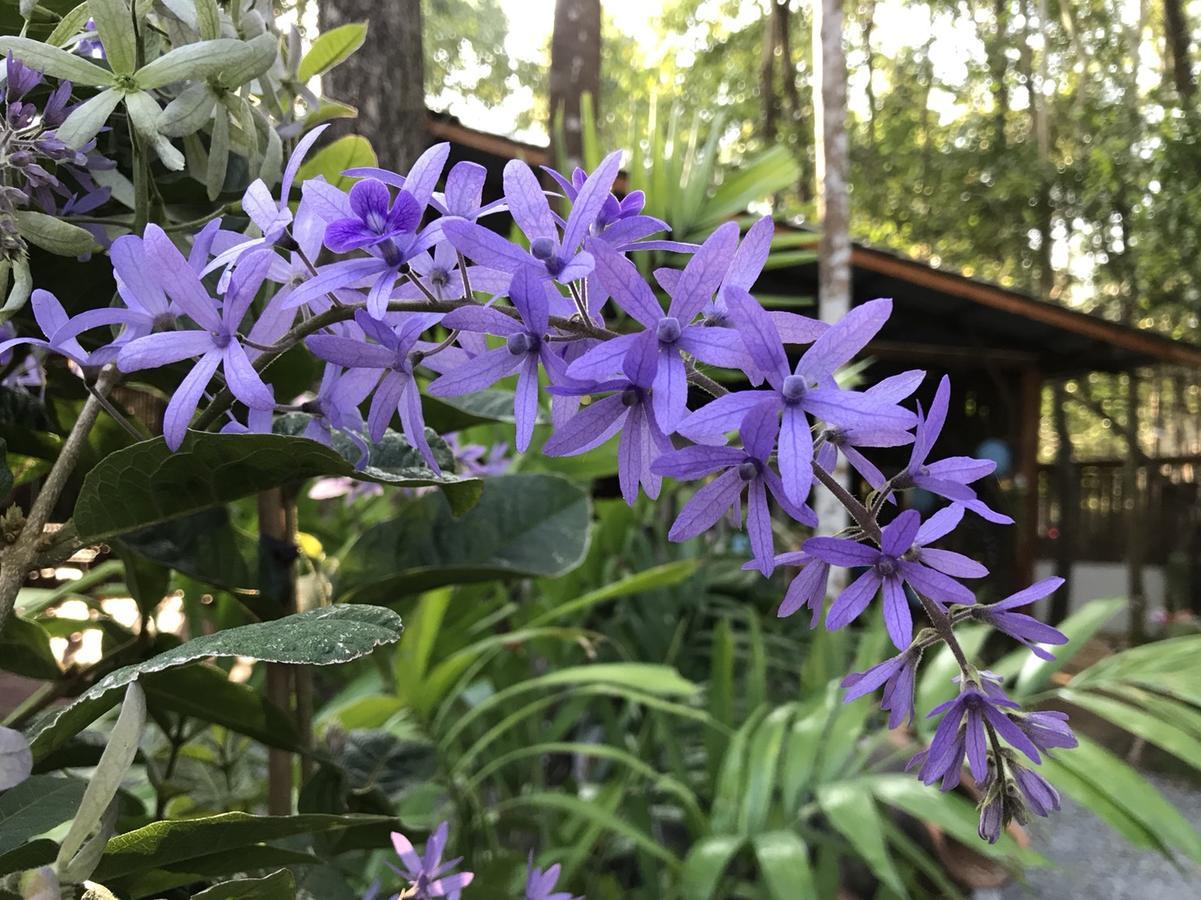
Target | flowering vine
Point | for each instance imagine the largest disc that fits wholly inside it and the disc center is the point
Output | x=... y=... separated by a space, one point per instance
x=398 y=288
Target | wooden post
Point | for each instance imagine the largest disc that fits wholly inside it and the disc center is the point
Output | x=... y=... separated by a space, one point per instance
x=1030 y=401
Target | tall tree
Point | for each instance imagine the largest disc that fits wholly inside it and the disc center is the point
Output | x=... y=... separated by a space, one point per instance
x=385 y=79
x=833 y=171
x=1176 y=33
x=574 y=71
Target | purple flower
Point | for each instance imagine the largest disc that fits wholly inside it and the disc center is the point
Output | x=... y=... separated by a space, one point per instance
x=897 y=677
x=272 y=217
x=948 y=562
x=948 y=477
x=525 y=347
x=745 y=468
x=1019 y=626
x=52 y=319
x=336 y=405
x=668 y=336
x=835 y=440
x=627 y=409
x=560 y=258
x=962 y=729
x=890 y=569
x=1047 y=729
x=383 y=226
x=808 y=588
x=540 y=884
x=139 y=284
x=427 y=875
x=1041 y=798
x=993 y=815
x=391 y=355
x=216 y=342
x=808 y=389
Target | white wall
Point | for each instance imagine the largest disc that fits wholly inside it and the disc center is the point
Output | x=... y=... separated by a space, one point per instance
x=1095 y=581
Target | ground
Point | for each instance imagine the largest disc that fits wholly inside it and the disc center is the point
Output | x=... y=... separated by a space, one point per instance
x=1093 y=862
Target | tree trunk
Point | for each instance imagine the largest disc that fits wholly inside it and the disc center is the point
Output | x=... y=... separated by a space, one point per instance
x=869 y=23
x=1176 y=32
x=385 y=79
x=998 y=68
x=833 y=197
x=574 y=71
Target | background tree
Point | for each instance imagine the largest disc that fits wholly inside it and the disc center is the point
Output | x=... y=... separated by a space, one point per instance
x=574 y=71
x=385 y=80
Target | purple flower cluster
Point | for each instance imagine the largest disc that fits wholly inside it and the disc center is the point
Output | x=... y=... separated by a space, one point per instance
x=400 y=290
x=41 y=170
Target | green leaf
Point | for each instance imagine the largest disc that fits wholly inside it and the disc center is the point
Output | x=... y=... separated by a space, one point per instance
x=203 y=545
x=208 y=19
x=54 y=234
x=705 y=864
x=586 y=811
x=264 y=50
x=195 y=62
x=276 y=886
x=55 y=62
x=332 y=47
x=25 y=650
x=523 y=526
x=206 y=693
x=1079 y=627
x=144 y=113
x=393 y=460
x=35 y=806
x=666 y=575
x=1141 y=718
x=114 y=22
x=325 y=636
x=32 y=855
x=850 y=808
x=728 y=790
x=763 y=762
x=784 y=861
x=106 y=779
x=156 y=882
x=69 y=25
x=190 y=111
x=86 y=120
x=333 y=159
x=654 y=680
x=177 y=841
x=147 y=483
x=218 y=161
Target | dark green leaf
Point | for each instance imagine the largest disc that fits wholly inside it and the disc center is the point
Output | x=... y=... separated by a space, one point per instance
x=29 y=856
x=154 y=883
x=204 y=545
x=6 y=473
x=36 y=805
x=324 y=636
x=523 y=525
x=276 y=886
x=25 y=650
x=170 y=843
x=147 y=483
x=852 y=811
x=205 y=693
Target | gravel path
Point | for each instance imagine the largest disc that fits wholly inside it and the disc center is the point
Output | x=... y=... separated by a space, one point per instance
x=1093 y=862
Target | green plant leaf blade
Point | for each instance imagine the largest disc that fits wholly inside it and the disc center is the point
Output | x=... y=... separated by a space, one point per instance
x=331 y=48
x=523 y=526
x=326 y=636
x=276 y=886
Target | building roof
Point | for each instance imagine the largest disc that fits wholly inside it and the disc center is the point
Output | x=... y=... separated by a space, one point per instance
x=941 y=316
